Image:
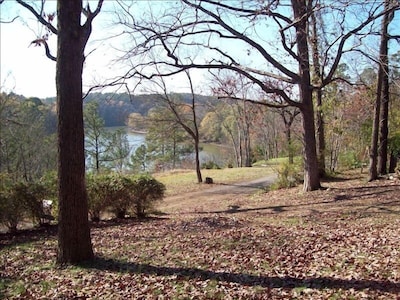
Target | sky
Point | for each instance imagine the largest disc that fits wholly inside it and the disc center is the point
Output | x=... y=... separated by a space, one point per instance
x=25 y=69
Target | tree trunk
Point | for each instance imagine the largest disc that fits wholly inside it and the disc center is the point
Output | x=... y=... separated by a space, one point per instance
x=321 y=136
x=314 y=40
x=197 y=158
x=373 y=168
x=392 y=162
x=384 y=130
x=373 y=156
x=288 y=133
x=311 y=173
x=74 y=244
x=384 y=114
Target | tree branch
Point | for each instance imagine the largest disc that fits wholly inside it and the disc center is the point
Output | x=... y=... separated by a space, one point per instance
x=343 y=40
x=38 y=16
x=246 y=39
x=87 y=27
x=39 y=42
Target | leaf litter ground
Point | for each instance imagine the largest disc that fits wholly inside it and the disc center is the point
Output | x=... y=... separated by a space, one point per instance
x=338 y=243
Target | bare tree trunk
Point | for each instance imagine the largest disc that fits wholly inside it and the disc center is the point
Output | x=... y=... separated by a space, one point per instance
x=384 y=114
x=384 y=130
x=321 y=149
x=197 y=160
x=74 y=244
x=383 y=67
x=288 y=133
x=288 y=117
x=311 y=173
x=373 y=156
x=392 y=162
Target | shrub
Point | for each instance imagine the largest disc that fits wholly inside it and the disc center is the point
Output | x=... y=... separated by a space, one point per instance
x=210 y=165
x=98 y=191
x=288 y=176
x=50 y=182
x=146 y=191
x=107 y=190
x=122 y=194
x=350 y=160
x=31 y=196
x=11 y=212
x=19 y=201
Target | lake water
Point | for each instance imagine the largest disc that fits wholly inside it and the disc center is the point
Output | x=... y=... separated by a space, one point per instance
x=215 y=153
x=135 y=139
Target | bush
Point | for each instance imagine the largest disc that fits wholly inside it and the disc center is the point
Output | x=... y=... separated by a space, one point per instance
x=122 y=194
x=11 y=212
x=350 y=160
x=288 y=176
x=31 y=196
x=50 y=182
x=210 y=165
x=146 y=191
x=107 y=190
x=98 y=191
x=19 y=201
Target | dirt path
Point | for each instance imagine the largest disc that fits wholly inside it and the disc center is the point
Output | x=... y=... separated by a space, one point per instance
x=219 y=196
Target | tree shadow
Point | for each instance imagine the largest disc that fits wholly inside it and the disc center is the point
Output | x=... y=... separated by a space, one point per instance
x=233 y=209
x=340 y=195
x=28 y=235
x=50 y=231
x=286 y=282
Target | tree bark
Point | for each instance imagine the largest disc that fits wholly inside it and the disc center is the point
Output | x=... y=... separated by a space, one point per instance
x=381 y=85
x=74 y=244
x=321 y=149
x=288 y=133
x=392 y=162
x=311 y=173
x=384 y=113
x=197 y=159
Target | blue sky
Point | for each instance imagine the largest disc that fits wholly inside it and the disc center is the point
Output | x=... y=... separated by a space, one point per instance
x=26 y=70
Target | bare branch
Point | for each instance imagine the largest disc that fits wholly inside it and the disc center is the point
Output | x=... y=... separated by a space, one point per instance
x=263 y=103
x=43 y=41
x=8 y=22
x=87 y=27
x=38 y=16
x=343 y=39
x=246 y=39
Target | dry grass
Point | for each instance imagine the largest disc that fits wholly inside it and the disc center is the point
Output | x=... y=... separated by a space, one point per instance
x=183 y=181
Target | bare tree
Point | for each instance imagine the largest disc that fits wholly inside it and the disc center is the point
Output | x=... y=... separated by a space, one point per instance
x=384 y=113
x=202 y=35
x=74 y=243
x=236 y=90
x=184 y=114
x=316 y=23
x=379 y=144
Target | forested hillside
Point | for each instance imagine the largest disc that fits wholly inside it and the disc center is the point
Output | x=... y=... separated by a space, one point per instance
x=115 y=108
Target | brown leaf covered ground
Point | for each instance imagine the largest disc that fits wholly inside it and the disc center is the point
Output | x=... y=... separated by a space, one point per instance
x=338 y=243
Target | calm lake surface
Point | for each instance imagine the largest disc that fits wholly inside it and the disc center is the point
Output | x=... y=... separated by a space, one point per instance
x=218 y=154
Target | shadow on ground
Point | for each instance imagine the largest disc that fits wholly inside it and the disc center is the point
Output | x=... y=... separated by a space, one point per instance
x=286 y=282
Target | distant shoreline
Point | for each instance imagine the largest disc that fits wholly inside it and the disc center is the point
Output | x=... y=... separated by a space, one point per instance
x=137 y=131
